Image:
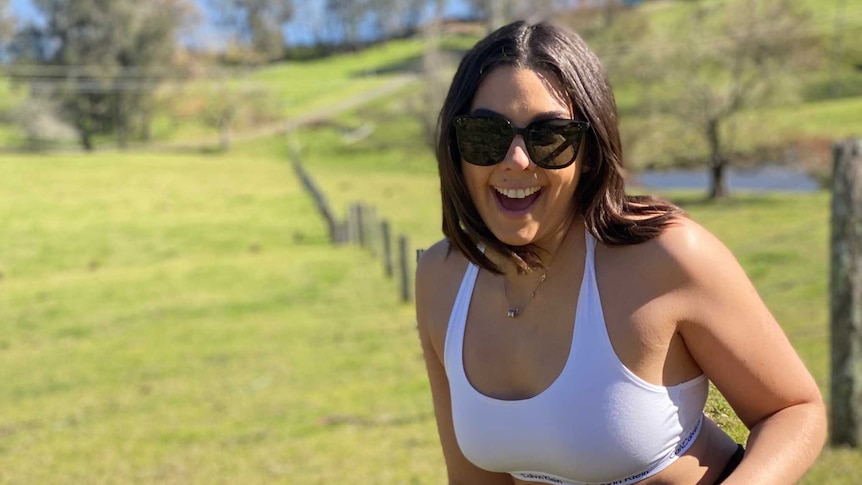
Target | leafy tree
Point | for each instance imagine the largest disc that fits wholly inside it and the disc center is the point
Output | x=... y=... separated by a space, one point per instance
x=724 y=58
x=258 y=24
x=110 y=54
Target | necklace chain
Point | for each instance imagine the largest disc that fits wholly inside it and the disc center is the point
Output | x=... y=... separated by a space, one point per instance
x=514 y=311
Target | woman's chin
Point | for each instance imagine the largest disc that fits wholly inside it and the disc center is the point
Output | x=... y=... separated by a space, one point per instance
x=519 y=238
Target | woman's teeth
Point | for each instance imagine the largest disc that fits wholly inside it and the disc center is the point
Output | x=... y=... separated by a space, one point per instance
x=517 y=193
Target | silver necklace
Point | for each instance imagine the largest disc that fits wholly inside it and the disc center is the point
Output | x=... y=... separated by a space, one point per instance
x=514 y=311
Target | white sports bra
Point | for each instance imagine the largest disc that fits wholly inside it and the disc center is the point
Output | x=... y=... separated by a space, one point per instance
x=597 y=423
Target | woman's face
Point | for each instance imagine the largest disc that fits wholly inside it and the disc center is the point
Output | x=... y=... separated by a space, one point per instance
x=501 y=192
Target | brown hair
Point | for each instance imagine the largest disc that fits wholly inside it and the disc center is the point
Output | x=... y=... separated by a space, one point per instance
x=613 y=217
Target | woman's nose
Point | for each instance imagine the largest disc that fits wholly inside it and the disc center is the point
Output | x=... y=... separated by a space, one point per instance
x=517 y=157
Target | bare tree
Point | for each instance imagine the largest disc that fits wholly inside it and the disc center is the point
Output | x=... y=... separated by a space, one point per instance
x=722 y=59
x=258 y=24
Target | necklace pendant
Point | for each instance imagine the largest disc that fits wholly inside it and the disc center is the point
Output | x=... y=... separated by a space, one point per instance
x=513 y=312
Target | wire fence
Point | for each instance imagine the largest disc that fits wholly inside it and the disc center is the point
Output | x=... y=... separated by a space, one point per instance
x=363 y=227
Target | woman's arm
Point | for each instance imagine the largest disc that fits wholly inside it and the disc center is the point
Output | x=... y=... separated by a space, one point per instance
x=434 y=292
x=742 y=349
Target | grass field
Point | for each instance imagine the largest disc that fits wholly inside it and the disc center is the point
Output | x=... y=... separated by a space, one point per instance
x=181 y=318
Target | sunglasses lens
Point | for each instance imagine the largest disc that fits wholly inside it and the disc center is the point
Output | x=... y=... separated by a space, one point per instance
x=554 y=143
x=483 y=141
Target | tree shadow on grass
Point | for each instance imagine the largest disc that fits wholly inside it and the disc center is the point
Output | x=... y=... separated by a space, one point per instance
x=410 y=64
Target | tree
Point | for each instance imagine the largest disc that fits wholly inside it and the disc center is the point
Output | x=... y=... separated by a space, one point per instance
x=349 y=14
x=495 y=13
x=723 y=58
x=397 y=17
x=434 y=89
x=7 y=25
x=258 y=24
x=109 y=55
x=238 y=104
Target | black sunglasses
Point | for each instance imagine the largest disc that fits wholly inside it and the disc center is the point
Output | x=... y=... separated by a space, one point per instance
x=552 y=144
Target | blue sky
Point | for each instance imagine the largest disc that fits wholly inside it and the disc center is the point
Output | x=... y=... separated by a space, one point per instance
x=297 y=31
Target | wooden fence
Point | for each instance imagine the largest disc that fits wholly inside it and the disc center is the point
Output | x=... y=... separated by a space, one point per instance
x=363 y=227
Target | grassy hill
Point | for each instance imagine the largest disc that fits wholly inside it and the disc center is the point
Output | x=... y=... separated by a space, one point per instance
x=266 y=95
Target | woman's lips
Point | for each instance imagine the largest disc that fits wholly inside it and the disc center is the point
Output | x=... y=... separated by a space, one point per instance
x=519 y=204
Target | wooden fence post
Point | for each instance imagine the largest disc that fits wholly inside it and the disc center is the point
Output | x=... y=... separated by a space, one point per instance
x=348 y=223
x=846 y=295
x=343 y=232
x=353 y=223
x=370 y=233
x=360 y=224
x=319 y=199
x=405 y=268
x=387 y=247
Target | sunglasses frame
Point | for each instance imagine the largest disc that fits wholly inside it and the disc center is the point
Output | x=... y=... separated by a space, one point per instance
x=581 y=126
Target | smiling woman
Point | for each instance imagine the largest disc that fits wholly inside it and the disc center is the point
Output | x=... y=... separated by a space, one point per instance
x=569 y=329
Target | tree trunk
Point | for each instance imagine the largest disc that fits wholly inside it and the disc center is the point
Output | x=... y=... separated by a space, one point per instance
x=122 y=129
x=846 y=295
x=224 y=134
x=86 y=139
x=121 y=121
x=435 y=86
x=717 y=163
x=718 y=179
x=496 y=16
x=146 y=125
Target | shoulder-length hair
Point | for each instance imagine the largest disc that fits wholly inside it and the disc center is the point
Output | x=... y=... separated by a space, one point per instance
x=613 y=217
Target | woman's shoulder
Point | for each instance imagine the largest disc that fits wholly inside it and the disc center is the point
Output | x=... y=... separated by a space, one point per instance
x=437 y=261
x=436 y=253
x=684 y=249
x=438 y=274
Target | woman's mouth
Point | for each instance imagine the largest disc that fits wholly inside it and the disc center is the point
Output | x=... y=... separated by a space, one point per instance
x=516 y=200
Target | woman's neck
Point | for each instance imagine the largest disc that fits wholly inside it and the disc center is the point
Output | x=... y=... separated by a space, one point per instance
x=546 y=249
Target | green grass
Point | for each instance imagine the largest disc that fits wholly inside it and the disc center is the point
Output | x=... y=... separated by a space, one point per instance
x=181 y=318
